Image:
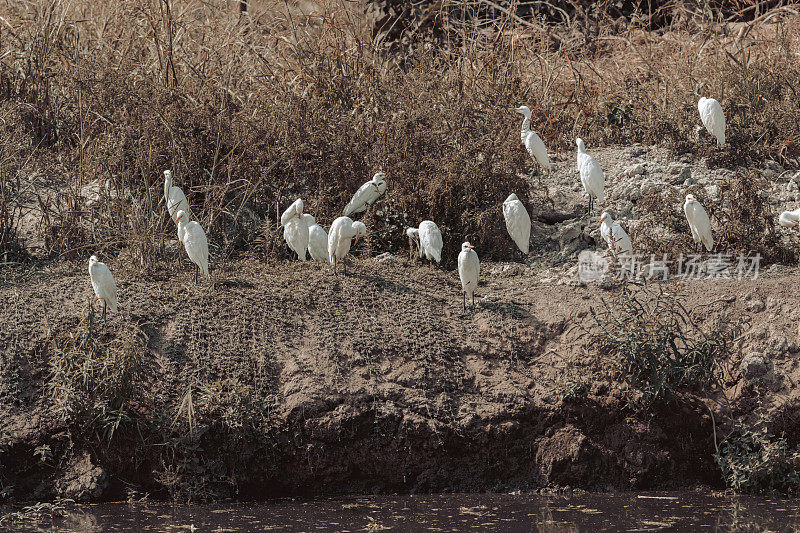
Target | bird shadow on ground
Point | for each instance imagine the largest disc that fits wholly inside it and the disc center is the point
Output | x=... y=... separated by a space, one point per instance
x=391 y=286
x=504 y=308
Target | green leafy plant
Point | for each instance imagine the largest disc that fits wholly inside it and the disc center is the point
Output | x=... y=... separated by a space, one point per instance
x=647 y=339
x=754 y=461
x=38 y=512
x=617 y=114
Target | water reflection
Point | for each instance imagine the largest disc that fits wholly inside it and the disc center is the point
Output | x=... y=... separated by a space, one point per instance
x=446 y=512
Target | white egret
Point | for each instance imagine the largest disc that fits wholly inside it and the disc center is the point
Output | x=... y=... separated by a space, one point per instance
x=317 y=240
x=341 y=236
x=295 y=229
x=518 y=222
x=713 y=118
x=428 y=238
x=413 y=241
x=790 y=219
x=367 y=194
x=618 y=241
x=103 y=284
x=174 y=197
x=699 y=222
x=592 y=176
x=469 y=267
x=194 y=240
x=533 y=143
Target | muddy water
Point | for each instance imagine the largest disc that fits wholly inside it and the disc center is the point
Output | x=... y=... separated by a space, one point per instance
x=450 y=512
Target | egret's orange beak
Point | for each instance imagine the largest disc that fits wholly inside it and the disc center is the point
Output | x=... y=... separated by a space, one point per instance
x=357 y=236
x=515 y=109
x=470 y=247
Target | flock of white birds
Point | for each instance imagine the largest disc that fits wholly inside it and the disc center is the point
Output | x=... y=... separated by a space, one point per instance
x=304 y=236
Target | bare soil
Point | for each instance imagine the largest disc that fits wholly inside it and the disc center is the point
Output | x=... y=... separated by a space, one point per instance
x=382 y=381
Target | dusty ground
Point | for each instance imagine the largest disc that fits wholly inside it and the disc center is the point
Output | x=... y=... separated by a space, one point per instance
x=381 y=380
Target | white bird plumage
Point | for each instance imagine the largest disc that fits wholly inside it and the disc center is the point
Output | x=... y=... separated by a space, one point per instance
x=367 y=194
x=469 y=268
x=194 y=241
x=428 y=239
x=713 y=118
x=174 y=197
x=295 y=229
x=790 y=219
x=518 y=222
x=103 y=284
x=618 y=241
x=699 y=222
x=340 y=238
x=317 y=240
x=533 y=143
x=592 y=176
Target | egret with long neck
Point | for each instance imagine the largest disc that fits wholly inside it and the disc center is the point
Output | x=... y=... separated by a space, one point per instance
x=533 y=143
x=174 y=197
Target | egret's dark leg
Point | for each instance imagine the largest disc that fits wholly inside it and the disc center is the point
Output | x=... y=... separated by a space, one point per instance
x=473 y=301
x=465 y=300
x=104 y=310
x=196 y=272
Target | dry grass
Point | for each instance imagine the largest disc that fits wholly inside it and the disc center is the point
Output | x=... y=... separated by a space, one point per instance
x=251 y=112
x=743 y=221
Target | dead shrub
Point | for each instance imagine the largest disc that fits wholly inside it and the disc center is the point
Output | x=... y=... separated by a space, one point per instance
x=745 y=222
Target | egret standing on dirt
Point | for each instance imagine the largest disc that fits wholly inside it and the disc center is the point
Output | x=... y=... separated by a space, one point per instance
x=592 y=177
x=367 y=194
x=699 y=222
x=295 y=229
x=469 y=267
x=790 y=219
x=428 y=239
x=317 y=240
x=518 y=222
x=174 y=197
x=533 y=143
x=618 y=241
x=713 y=118
x=103 y=284
x=194 y=240
x=341 y=236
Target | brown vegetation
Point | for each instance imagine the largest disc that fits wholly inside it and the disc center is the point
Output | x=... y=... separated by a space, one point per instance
x=252 y=111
